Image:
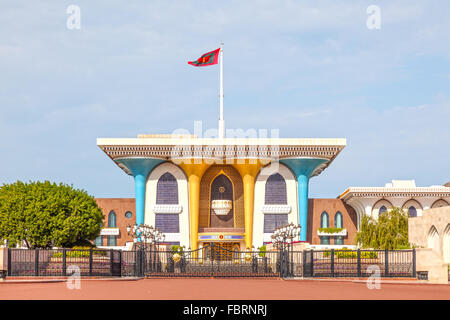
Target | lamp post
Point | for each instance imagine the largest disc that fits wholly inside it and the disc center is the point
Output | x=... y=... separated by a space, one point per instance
x=144 y=234
x=283 y=238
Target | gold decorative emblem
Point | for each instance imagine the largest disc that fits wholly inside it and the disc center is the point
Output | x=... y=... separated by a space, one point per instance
x=221 y=189
x=176 y=257
x=248 y=257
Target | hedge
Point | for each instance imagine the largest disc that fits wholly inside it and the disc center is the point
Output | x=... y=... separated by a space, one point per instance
x=347 y=254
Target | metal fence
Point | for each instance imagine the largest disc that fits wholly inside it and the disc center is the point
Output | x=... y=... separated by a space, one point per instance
x=359 y=263
x=209 y=261
x=63 y=262
x=212 y=261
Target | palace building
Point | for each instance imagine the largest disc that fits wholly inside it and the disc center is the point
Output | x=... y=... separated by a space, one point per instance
x=231 y=190
x=236 y=191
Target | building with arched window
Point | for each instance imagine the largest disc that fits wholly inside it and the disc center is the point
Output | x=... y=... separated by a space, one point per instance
x=227 y=192
x=338 y=224
x=324 y=224
x=112 y=223
x=236 y=192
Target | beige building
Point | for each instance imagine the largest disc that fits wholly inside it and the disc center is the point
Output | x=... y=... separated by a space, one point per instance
x=432 y=230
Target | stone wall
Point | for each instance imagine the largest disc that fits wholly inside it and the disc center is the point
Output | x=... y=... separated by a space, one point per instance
x=432 y=230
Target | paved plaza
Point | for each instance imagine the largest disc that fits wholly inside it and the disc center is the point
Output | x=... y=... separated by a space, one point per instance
x=223 y=289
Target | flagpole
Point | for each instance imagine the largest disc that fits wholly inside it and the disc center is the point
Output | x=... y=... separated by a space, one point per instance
x=221 y=121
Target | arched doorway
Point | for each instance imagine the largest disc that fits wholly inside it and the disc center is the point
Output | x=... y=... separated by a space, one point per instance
x=221 y=189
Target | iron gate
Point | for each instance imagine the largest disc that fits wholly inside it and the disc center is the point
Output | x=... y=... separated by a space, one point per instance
x=210 y=261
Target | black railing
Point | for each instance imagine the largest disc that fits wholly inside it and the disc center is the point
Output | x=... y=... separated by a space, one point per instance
x=56 y=262
x=359 y=263
x=212 y=261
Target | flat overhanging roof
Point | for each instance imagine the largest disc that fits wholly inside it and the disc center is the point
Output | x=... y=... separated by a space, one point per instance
x=183 y=148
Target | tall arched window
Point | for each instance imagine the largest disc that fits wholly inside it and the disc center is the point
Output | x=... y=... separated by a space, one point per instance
x=412 y=212
x=338 y=223
x=112 y=223
x=324 y=220
x=382 y=210
x=275 y=192
x=324 y=223
x=221 y=189
x=167 y=189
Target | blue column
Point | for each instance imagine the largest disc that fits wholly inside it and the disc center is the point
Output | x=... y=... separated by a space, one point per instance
x=303 y=168
x=140 y=169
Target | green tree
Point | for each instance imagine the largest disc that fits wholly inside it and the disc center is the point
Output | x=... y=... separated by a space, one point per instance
x=390 y=231
x=43 y=213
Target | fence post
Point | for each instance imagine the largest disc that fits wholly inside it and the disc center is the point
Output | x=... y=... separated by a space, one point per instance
x=414 y=262
x=359 y=263
x=304 y=262
x=142 y=263
x=386 y=263
x=90 y=261
x=120 y=261
x=332 y=263
x=111 y=257
x=312 y=262
x=212 y=258
x=9 y=262
x=136 y=263
x=64 y=263
x=36 y=262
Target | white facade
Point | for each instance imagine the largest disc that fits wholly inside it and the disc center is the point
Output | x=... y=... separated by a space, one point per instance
x=260 y=208
x=182 y=208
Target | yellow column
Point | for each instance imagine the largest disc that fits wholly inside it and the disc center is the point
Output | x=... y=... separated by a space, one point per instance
x=248 y=172
x=194 y=173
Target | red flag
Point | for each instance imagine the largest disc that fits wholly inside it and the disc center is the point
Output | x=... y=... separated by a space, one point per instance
x=207 y=59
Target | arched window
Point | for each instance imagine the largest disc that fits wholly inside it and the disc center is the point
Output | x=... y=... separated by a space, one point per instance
x=412 y=212
x=382 y=210
x=275 y=192
x=112 y=223
x=338 y=223
x=324 y=220
x=338 y=220
x=324 y=223
x=167 y=189
x=221 y=189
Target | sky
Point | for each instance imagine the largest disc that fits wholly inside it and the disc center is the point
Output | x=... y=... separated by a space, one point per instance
x=311 y=69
